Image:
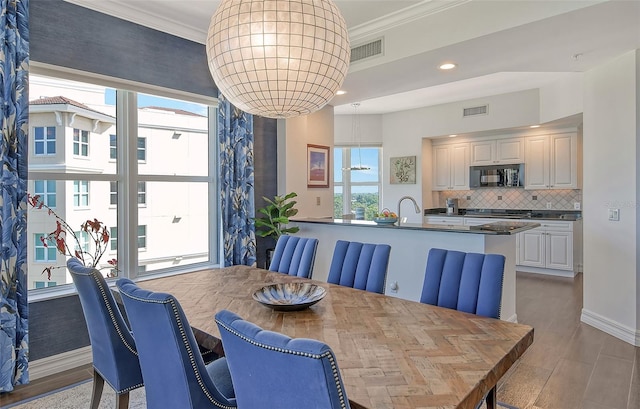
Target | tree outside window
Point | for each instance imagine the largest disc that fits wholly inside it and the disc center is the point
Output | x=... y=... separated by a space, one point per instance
x=357 y=188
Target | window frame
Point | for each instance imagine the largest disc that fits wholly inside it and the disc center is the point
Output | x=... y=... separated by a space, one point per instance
x=38 y=244
x=347 y=183
x=80 y=193
x=80 y=140
x=127 y=172
x=44 y=141
x=45 y=193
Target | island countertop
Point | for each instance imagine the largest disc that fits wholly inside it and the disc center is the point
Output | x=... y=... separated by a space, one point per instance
x=496 y=228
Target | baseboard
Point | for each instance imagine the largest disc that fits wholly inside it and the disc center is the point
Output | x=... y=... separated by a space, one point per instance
x=513 y=318
x=612 y=328
x=58 y=363
x=546 y=271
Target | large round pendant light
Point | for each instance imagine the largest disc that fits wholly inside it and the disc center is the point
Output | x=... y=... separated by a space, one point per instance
x=278 y=58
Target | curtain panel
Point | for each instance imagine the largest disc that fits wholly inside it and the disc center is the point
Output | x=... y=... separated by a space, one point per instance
x=14 y=98
x=235 y=139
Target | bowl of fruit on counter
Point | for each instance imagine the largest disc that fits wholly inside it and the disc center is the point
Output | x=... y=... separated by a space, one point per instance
x=385 y=217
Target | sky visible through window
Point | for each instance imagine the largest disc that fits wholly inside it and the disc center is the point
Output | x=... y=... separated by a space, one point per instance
x=148 y=100
x=369 y=158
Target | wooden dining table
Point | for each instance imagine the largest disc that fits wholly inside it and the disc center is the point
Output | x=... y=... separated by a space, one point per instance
x=392 y=353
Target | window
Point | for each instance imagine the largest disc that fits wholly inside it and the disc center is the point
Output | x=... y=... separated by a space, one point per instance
x=42 y=252
x=355 y=189
x=184 y=166
x=83 y=239
x=44 y=284
x=142 y=149
x=142 y=237
x=81 y=193
x=44 y=138
x=80 y=142
x=142 y=193
x=113 y=239
x=46 y=189
x=113 y=150
x=113 y=193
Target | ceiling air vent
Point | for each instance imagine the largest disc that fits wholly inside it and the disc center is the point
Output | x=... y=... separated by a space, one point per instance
x=473 y=111
x=366 y=50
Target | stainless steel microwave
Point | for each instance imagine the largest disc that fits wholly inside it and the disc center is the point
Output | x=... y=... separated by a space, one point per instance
x=496 y=176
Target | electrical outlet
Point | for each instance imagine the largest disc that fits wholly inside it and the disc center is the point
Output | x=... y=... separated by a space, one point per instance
x=317 y=200
x=576 y=206
x=394 y=287
x=548 y=205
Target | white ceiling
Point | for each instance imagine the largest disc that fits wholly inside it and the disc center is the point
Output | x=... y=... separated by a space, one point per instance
x=499 y=46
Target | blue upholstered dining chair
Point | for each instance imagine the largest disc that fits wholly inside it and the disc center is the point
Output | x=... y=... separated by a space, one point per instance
x=174 y=373
x=271 y=370
x=294 y=256
x=360 y=265
x=115 y=359
x=469 y=282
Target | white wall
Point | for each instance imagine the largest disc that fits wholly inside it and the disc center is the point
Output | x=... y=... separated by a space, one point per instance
x=316 y=129
x=611 y=181
x=561 y=99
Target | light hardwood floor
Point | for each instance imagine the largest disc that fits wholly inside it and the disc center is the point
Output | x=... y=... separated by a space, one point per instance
x=569 y=366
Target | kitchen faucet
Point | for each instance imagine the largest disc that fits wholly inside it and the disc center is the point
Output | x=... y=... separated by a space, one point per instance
x=415 y=204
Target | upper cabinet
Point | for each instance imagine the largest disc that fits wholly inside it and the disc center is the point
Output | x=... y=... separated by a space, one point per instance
x=551 y=162
x=451 y=167
x=497 y=152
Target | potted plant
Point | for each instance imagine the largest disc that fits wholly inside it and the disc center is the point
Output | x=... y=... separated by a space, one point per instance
x=275 y=217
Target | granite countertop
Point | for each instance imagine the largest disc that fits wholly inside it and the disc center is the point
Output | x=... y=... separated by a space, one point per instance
x=526 y=214
x=497 y=228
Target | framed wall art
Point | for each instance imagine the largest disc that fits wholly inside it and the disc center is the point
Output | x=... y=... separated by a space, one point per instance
x=403 y=170
x=318 y=166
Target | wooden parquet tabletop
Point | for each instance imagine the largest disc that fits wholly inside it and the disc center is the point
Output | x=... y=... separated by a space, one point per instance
x=392 y=353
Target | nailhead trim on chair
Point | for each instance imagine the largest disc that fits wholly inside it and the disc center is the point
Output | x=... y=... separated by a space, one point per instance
x=183 y=334
x=327 y=354
x=118 y=330
x=111 y=314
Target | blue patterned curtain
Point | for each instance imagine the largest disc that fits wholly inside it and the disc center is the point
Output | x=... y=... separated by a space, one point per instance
x=14 y=100
x=235 y=138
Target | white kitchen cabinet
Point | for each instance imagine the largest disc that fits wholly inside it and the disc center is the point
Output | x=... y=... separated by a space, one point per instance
x=549 y=246
x=497 y=152
x=451 y=167
x=444 y=220
x=551 y=162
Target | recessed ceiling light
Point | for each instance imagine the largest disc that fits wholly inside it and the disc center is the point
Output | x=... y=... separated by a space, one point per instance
x=341 y=92
x=447 y=66
x=534 y=126
x=452 y=136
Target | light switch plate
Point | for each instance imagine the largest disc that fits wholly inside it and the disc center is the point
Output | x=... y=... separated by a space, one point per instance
x=614 y=215
x=576 y=206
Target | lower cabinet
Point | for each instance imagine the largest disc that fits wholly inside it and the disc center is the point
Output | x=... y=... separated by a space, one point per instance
x=553 y=248
x=550 y=246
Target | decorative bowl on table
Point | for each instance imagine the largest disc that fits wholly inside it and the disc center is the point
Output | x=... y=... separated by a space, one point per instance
x=289 y=296
x=385 y=220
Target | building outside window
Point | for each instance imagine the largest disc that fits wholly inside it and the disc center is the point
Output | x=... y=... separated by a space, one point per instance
x=80 y=142
x=357 y=189
x=81 y=193
x=142 y=237
x=142 y=193
x=113 y=150
x=142 y=149
x=42 y=252
x=113 y=239
x=46 y=189
x=120 y=162
x=44 y=139
x=84 y=240
x=113 y=193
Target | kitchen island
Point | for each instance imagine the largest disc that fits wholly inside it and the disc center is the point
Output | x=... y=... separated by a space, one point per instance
x=410 y=243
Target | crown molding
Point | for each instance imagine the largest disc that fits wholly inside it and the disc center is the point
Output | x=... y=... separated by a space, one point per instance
x=398 y=18
x=127 y=10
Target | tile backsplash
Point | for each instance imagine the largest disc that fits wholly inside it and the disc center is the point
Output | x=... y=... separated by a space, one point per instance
x=510 y=198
